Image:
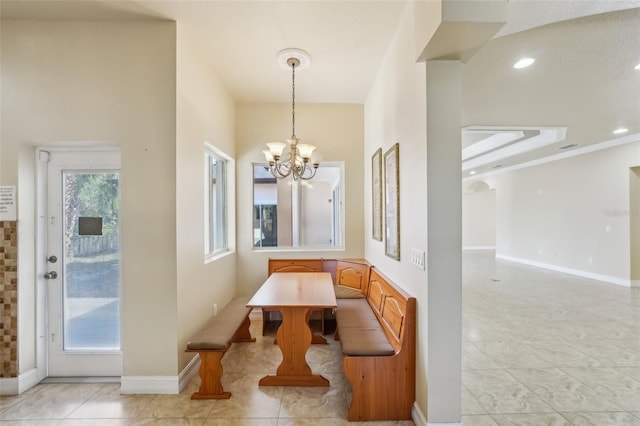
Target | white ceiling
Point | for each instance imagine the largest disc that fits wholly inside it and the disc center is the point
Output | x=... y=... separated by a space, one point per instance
x=583 y=78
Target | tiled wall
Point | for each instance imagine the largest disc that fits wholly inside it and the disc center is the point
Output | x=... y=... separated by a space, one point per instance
x=8 y=299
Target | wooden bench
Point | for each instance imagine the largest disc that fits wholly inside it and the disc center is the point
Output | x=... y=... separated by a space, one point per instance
x=377 y=337
x=213 y=340
x=351 y=279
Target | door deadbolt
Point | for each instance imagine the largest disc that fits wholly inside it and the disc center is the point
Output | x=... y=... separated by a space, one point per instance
x=52 y=259
x=51 y=275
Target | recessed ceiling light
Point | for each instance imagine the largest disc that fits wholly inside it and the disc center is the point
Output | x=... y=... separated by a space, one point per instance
x=637 y=67
x=523 y=63
x=472 y=172
x=620 y=130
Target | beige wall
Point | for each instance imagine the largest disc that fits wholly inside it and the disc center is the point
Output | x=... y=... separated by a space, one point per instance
x=571 y=213
x=634 y=230
x=479 y=219
x=87 y=84
x=395 y=111
x=205 y=112
x=337 y=132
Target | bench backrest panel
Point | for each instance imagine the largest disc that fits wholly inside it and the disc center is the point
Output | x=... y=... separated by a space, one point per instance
x=353 y=274
x=394 y=308
x=295 y=265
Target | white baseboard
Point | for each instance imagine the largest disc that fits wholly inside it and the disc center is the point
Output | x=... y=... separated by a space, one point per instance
x=417 y=415
x=635 y=283
x=17 y=385
x=444 y=424
x=585 y=274
x=478 y=247
x=160 y=384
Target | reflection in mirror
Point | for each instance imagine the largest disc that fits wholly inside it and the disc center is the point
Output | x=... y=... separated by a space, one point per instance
x=288 y=213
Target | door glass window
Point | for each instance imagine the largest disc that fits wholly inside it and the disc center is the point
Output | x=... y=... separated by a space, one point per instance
x=91 y=293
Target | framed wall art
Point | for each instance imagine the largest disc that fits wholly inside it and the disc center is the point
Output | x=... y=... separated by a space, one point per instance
x=376 y=194
x=392 y=201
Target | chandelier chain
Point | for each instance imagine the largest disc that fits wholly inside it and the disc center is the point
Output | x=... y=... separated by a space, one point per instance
x=293 y=100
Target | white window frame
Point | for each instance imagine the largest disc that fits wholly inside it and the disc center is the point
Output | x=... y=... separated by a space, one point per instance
x=227 y=208
x=339 y=227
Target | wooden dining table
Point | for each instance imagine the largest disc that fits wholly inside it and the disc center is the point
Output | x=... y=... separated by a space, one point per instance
x=295 y=295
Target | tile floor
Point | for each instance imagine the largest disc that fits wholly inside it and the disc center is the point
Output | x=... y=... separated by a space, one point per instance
x=539 y=348
x=544 y=348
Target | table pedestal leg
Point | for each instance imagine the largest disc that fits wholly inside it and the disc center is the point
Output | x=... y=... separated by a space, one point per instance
x=294 y=338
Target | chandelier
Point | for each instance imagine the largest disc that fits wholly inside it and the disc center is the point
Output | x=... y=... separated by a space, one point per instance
x=297 y=161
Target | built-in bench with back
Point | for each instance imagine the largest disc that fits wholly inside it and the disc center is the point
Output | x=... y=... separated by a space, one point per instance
x=377 y=337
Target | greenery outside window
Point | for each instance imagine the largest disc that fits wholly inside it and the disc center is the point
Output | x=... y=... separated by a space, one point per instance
x=298 y=214
x=217 y=180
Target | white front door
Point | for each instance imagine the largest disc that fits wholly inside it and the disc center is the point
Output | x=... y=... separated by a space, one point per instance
x=83 y=276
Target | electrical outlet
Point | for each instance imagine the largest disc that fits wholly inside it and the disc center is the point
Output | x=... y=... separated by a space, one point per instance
x=215 y=309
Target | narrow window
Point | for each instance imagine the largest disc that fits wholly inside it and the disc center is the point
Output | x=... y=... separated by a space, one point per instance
x=216 y=210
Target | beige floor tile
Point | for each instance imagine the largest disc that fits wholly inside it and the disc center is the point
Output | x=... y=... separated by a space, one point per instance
x=512 y=354
x=533 y=419
x=28 y=422
x=248 y=400
x=470 y=405
x=560 y=355
x=563 y=392
x=314 y=402
x=313 y=422
x=474 y=359
x=633 y=372
x=167 y=422
x=478 y=421
x=50 y=401
x=177 y=406
x=109 y=403
x=602 y=419
x=95 y=422
x=607 y=352
x=479 y=379
x=615 y=386
x=241 y=422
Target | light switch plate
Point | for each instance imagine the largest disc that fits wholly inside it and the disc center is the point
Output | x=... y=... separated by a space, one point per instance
x=418 y=258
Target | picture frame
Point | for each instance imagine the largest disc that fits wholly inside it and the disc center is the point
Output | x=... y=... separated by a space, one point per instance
x=376 y=195
x=392 y=201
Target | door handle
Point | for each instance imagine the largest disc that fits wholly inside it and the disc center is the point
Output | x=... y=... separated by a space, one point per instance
x=51 y=275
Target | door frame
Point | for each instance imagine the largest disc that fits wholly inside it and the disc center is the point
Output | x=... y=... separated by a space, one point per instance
x=41 y=249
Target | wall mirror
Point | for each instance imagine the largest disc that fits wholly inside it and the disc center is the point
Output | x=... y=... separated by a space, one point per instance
x=298 y=214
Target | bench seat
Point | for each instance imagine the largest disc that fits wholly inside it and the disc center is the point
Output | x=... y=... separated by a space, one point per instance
x=218 y=332
x=359 y=330
x=211 y=342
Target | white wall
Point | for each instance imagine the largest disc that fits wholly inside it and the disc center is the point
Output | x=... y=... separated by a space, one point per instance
x=316 y=214
x=205 y=112
x=479 y=219
x=331 y=128
x=395 y=111
x=88 y=84
x=571 y=213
